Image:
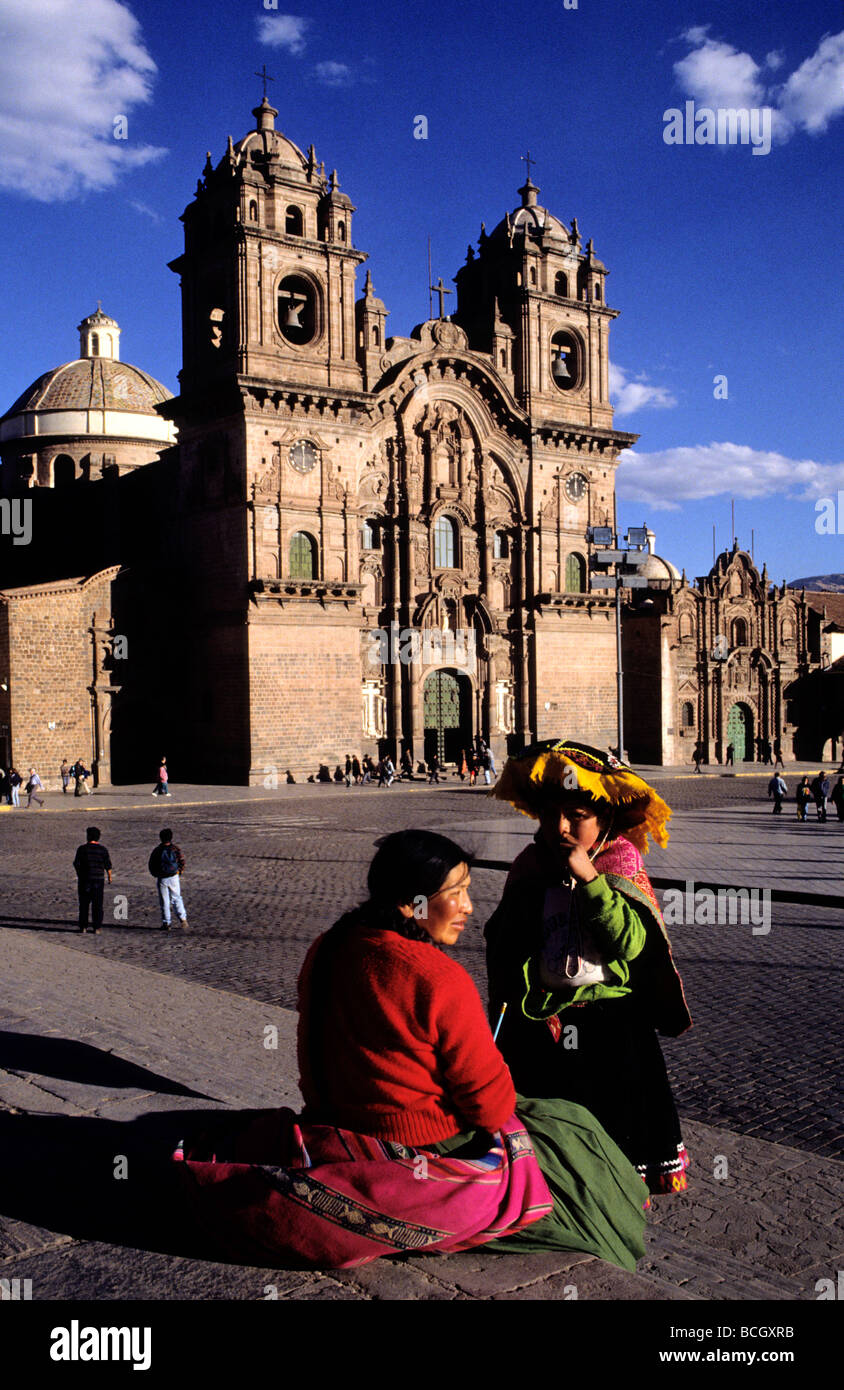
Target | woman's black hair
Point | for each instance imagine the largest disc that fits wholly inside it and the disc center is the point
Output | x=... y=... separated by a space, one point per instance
x=408 y=864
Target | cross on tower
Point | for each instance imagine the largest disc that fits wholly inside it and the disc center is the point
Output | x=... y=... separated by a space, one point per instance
x=440 y=289
x=265 y=78
x=528 y=161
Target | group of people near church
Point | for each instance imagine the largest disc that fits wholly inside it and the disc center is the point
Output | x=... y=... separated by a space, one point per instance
x=382 y=772
x=819 y=791
x=12 y=783
x=428 y=1126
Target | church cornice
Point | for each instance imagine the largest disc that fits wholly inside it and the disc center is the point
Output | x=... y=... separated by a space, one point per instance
x=579 y=438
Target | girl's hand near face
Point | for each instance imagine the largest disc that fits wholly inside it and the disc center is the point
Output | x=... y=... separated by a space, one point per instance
x=576 y=858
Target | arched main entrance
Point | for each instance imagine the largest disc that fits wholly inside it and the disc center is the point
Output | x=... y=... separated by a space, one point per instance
x=447 y=714
x=740 y=732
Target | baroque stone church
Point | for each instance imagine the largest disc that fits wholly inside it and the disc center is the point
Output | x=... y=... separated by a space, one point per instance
x=330 y=483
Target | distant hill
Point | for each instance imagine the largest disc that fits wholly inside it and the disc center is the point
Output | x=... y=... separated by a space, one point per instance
x=831 y=582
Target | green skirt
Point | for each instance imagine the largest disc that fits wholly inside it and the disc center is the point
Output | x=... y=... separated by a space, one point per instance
x=599 y=1198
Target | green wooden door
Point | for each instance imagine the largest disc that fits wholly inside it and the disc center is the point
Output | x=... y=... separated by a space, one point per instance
x=446 y=703
x=740 y=732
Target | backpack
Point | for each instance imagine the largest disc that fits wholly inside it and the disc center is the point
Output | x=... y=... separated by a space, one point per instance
x=164 y=862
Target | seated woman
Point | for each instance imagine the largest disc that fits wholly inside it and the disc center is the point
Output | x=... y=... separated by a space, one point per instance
x=578 y=951
x=409 y=1141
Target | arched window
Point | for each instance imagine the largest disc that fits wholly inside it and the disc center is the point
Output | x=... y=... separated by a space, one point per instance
x=532 y=276
x=575 y=574
x=445 y=543
x=293 y=224
x=687 y=626
x=370 y=535
x=738 y=633
x=501 y=546
x=561 y=285
x=95 y=344
x=598 y=292
x=64 y=471
x=376 y=337
x=253 y=211
x=341 y=231
x=687 y=717
x=303 y=556
x=787 y=630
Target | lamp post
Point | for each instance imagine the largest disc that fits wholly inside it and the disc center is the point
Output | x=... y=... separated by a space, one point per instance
x=615 y=565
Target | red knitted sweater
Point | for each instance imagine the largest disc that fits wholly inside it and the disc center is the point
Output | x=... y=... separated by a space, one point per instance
x=408 y=1051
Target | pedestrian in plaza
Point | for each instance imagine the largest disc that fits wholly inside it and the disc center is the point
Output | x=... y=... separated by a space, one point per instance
x=357 y=772
x=731 y=752
x=578 y=953
x=486 y=765
x=767 y=750
x=803 y=798
x=33 y=786
x=407 y=765
x=778 y=790
x=92 y=864
x=5 y=788
x=778 y=762
x=64 y=773
x=472 y=764
x=820 y=791
x=290 y=780
x=162 y=785
x=347 y=775
x=434 y=769
x=697 y=756
x=80 y=774
x=836 y=796
x=15 y=784
x=166 y=863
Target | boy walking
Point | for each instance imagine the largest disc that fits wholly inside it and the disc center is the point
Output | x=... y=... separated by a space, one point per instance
x=166 y=863
x=92 y=863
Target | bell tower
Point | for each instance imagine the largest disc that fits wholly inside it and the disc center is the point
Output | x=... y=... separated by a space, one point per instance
x=536 y=300
x=268 y=272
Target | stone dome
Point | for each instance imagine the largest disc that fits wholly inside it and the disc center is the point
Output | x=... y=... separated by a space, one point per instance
x=86 y=416
x=94 y=383
x=655 y=567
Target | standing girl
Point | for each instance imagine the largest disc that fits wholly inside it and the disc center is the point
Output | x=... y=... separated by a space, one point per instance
x=578 y=952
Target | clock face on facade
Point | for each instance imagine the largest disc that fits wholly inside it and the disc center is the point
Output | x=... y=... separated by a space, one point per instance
x=303 y=456
x=576 y=485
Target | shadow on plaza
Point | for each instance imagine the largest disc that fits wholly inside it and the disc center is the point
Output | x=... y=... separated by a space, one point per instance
x=66 y=924
x=112 y=1181
x=69 y=1060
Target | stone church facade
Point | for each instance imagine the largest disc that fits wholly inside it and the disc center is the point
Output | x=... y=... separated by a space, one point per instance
x=731 y=659
x=337 y=484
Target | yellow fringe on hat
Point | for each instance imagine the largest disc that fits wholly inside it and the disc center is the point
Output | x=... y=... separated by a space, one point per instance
x=642 y=811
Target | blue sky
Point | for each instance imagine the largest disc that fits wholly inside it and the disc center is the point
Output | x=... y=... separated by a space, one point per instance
x=724 y=263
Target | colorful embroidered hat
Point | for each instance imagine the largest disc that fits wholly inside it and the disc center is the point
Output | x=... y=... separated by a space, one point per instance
x=570 y=766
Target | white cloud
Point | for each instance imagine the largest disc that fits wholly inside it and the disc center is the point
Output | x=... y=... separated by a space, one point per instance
x=814 y=93
x=334 y=74
x=145 y=210
x=715 y=74
x=629 y=394
x=284 y=31
x=670 y=477
x=68 y=71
